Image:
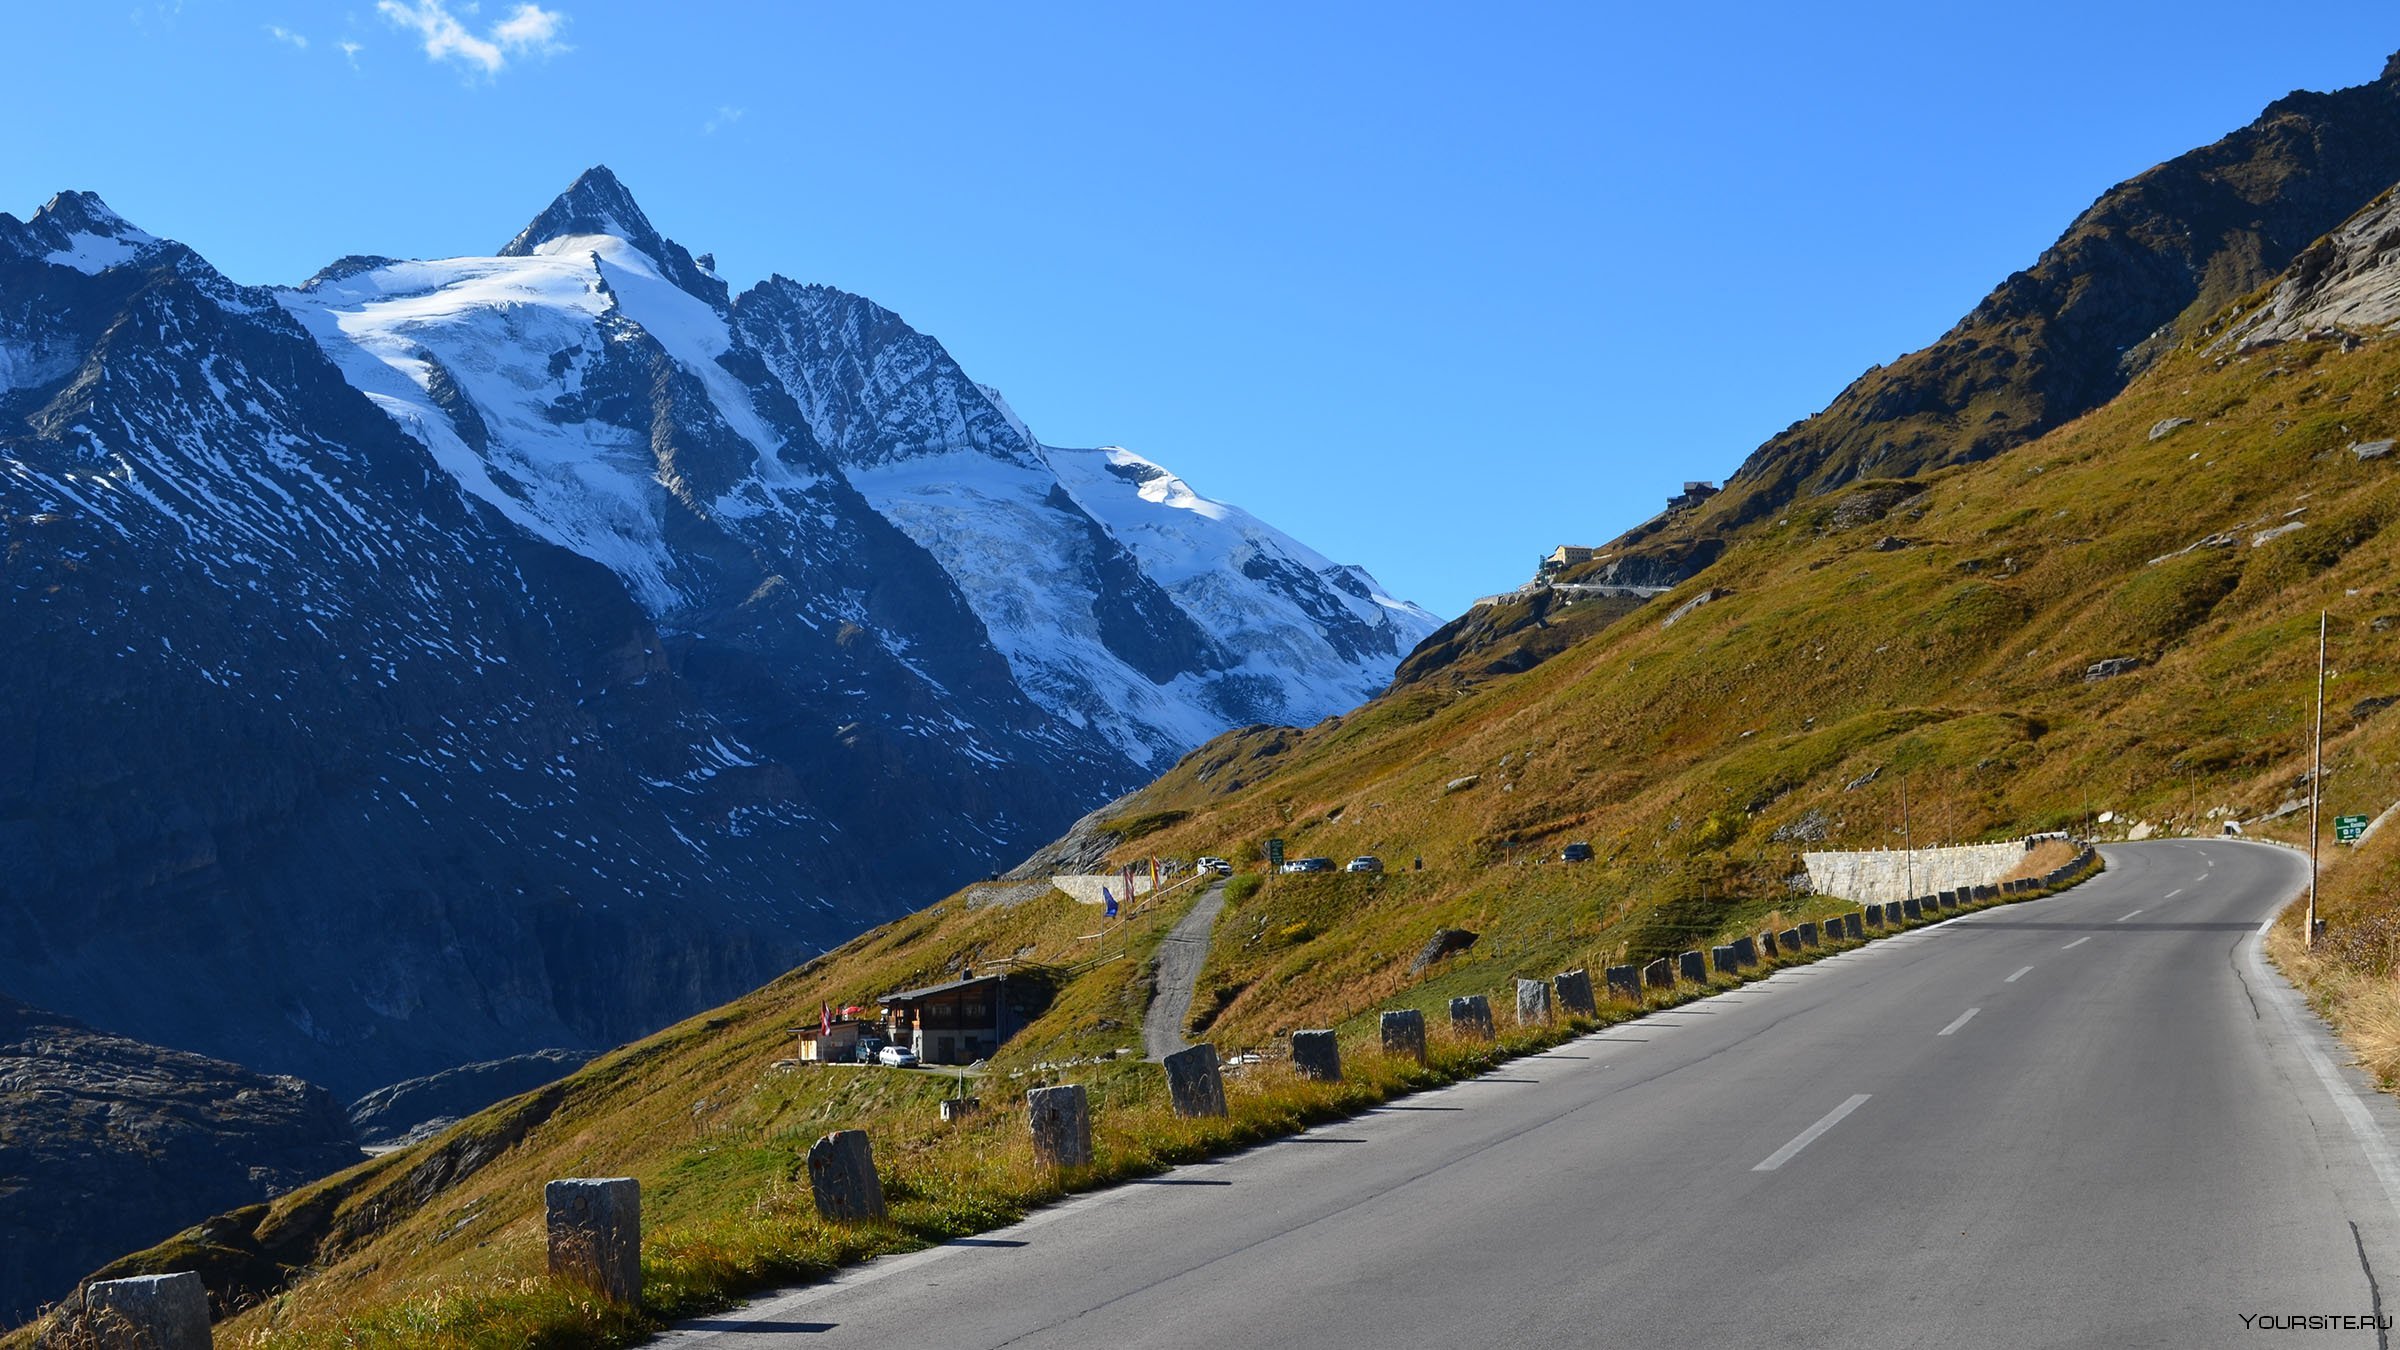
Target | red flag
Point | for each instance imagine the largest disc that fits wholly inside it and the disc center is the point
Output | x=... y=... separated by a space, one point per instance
x=825 y=1020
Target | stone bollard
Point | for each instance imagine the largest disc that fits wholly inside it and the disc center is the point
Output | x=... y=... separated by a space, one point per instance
x=1194 y=1082
x=152 y=1312
x=1892 y=914
x=1061 y=1118
x=1789 y=940
x=1315 y=1054
x=1949 y=899
x=1625 y=982
x=1854 y=925
x=1745 y=951
x=841 y=1170
x=1404 y=1033
x=1767 y=946
x=1807 y=933
x=1658 y=975
x=959 y=1108
x=1693 y=967
x=595 y=1226
x=1472 y=1016
x=1575 y=993
x=1724 y=960
x=1533 y=1003
x=1874 y=916
x=1910 y=909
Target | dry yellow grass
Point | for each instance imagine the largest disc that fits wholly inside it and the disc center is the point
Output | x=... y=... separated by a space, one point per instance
x=2043 y=859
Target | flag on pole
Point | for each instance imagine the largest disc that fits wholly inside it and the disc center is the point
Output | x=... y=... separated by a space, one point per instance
x=1110 y=900
x=825 y=1020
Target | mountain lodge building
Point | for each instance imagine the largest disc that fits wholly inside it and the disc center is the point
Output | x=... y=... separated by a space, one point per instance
x=955 y=1023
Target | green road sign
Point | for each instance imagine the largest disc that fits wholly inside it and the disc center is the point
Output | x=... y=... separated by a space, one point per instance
x=1275 y=852
x=2347 y=829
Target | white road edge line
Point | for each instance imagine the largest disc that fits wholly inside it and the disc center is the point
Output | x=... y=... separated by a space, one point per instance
x=2268 y=926
x=2371 y=1138
x=2018 y=976
x=1809 y=1136
x=2172 y=894
x=2076 y=943
x=2126 y=917
x=1962 y=1021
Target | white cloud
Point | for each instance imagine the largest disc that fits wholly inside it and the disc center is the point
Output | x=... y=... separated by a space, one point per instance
x=529 y=30
x=285 y=35
x=726 y=116
x=350 y=51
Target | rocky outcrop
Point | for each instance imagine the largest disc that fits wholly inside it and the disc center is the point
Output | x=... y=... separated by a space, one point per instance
x=420 y=1108
x=108 y=1145
x=2346 y=282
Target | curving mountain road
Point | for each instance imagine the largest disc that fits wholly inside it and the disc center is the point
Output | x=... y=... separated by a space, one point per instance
x=2094 y=1120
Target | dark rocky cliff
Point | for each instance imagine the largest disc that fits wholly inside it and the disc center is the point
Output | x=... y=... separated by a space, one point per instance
x=108 y=1145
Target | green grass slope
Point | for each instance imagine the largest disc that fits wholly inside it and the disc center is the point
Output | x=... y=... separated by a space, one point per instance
x=1938 y=633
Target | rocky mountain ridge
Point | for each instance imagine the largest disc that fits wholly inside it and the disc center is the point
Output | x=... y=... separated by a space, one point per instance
x=2134 y=275
x=443 y=660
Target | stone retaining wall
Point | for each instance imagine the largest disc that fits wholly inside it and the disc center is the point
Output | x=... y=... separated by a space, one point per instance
x=1884 y=875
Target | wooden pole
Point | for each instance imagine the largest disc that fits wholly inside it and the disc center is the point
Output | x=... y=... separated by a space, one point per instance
x=2316 y=784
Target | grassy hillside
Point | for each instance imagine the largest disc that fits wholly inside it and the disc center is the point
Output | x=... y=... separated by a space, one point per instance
x=1937 y=634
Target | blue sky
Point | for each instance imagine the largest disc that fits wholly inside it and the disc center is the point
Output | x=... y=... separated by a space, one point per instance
x=1431 y=290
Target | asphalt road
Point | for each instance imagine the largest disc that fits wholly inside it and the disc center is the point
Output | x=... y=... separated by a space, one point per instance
x=2094 y=1120
x=1180 y=956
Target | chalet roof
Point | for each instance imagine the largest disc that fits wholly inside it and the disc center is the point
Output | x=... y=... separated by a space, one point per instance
x=860 y=1023
x=912 y=995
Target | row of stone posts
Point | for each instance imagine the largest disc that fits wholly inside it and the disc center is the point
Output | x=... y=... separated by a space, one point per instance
x=595 y=1224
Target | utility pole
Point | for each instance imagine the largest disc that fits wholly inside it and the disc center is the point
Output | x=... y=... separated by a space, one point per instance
x=2316 y=784
x=1908 y=838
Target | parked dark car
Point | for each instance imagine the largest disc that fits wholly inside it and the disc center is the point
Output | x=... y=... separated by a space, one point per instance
x=1576 y=852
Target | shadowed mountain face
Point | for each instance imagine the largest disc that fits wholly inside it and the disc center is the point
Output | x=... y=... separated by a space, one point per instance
x=2137 y=273
x=449 y=659
x=107 y=1144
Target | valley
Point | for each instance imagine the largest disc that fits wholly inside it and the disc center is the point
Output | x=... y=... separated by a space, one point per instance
x=553 y=688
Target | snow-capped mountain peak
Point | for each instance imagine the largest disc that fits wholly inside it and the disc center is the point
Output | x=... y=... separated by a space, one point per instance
x=596 y=203
x=78 y=230
x=634 y=640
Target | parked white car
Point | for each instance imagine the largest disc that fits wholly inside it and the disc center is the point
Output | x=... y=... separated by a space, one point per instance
x=897 y=1056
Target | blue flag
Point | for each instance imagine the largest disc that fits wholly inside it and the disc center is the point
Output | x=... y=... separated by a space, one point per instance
x=1111 y=901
